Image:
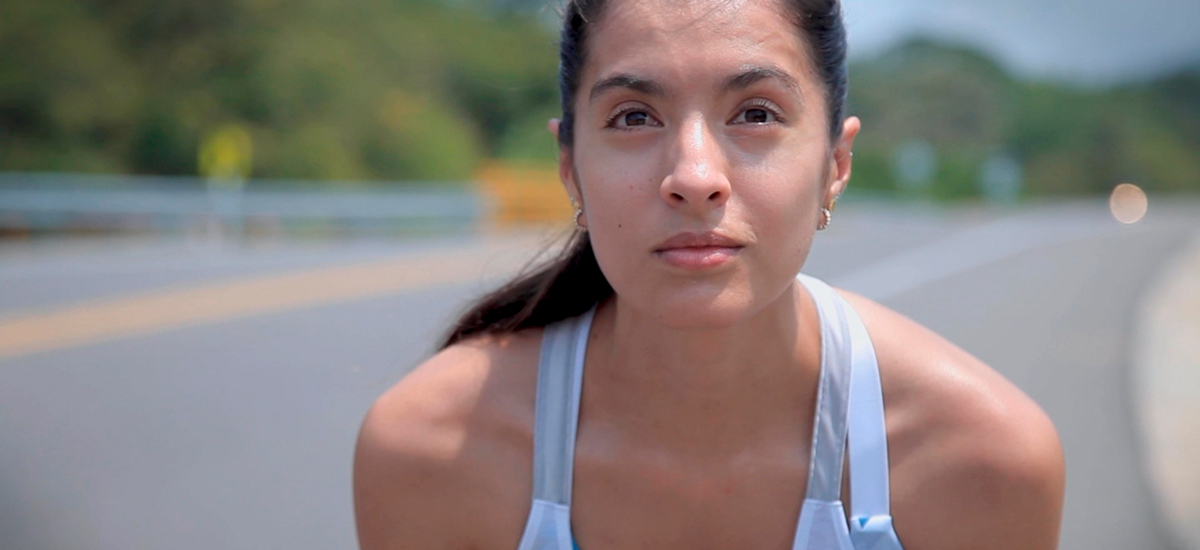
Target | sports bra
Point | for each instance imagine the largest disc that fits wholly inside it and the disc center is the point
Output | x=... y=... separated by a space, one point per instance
x=849 y=415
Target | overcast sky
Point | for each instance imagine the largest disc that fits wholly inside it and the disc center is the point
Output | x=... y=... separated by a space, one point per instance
x=1090 y=41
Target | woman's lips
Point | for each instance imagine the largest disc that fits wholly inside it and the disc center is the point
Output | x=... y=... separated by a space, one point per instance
x=698 y=250
x=699 y=257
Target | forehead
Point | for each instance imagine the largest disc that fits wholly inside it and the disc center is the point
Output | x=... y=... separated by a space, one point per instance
x=694 y=39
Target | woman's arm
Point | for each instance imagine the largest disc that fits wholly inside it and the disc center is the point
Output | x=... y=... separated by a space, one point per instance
x=409 y=464
x=443 y=458
x=401 y=480
x=992 y=482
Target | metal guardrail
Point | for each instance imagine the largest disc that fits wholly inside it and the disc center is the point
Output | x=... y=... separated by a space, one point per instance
x=67 y=202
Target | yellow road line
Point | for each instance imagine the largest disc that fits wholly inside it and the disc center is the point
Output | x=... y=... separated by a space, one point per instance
x=144 y=313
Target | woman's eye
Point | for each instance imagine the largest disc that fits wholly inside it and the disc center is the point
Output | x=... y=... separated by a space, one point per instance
x=633 y=118
x=756 y=115
x=636 y=118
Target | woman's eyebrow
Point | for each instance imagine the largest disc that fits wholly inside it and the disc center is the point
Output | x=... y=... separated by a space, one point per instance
x=629 y=82
x=754 y=74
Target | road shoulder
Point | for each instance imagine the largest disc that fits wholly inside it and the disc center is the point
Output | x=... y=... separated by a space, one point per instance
x=1166 y=373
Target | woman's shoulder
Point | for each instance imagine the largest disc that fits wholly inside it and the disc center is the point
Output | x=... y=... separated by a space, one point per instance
x=481 y=376
x=972 y=457
x=452 y=435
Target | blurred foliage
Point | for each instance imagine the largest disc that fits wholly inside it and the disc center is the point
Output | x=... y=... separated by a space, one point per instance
x=1067 y=140
x=429 y=89
x=362 y=89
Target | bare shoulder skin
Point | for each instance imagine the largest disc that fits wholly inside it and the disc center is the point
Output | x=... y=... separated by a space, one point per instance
x=444 y=457
x=975 y=463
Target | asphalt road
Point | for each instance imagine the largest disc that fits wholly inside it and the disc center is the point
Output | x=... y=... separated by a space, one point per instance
x=167 y=394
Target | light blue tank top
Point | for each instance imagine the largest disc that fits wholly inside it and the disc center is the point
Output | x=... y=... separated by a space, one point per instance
x=849 y=413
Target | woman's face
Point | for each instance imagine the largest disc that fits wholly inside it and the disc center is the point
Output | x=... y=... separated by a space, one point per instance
x=701 y=156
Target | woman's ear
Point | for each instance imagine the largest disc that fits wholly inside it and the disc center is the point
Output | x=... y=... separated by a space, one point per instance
x=566 y=170
x=842 y=160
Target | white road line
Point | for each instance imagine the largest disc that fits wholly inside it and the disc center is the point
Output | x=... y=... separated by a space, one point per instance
x=972 y=248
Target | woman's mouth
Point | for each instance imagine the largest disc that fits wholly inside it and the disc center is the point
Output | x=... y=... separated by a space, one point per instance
x=702 y=257
x=698 y=250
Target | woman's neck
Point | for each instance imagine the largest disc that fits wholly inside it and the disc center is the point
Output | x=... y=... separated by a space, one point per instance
x=716 y=389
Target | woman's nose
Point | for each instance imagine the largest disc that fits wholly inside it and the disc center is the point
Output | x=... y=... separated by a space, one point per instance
x=697 y=177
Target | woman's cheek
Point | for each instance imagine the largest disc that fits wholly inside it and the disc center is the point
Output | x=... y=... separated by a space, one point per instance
x=613 y=228
x=782 y=221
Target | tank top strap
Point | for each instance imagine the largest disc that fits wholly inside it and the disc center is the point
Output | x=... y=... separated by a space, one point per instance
x=833 y=394
x=869 y=494
x=556 y=416
x=870 y=497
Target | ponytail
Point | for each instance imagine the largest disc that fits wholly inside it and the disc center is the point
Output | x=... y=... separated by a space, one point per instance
x=566 y=287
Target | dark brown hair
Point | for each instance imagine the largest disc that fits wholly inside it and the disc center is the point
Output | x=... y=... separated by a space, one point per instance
x=572 y=283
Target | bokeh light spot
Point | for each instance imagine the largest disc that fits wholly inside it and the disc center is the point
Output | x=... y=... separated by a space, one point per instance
x=1128 y=203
